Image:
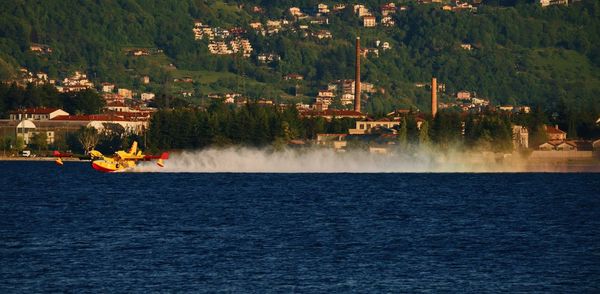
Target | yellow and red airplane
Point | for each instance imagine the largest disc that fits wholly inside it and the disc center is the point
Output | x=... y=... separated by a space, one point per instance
x=119 y=161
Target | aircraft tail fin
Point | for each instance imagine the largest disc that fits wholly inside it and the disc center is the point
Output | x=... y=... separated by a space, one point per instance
x=133 y=149
x=163 y=156
x=96 y=154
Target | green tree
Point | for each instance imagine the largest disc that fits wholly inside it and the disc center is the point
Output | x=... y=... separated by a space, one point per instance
x=6 y=144
x=447 y=128
x=112 y=138
x=19 y=143
x=88 y=137
x=537 y=128
x=39 y=141
x=572 y=130
x=424 y=134
x=402 y=134
x=412 y=130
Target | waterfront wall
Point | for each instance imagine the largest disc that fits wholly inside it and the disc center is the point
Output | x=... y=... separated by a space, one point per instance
x=553 y=154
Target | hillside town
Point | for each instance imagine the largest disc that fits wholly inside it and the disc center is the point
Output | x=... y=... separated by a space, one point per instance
x=129 y=115
x=129 y=110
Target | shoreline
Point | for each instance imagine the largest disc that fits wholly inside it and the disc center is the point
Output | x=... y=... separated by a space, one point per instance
x=485 y=164
x=16 y=158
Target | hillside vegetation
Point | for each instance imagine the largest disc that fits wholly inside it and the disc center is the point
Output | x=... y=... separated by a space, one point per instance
x=522 y=54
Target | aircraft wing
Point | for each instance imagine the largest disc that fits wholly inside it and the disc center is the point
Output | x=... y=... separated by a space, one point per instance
x=129 y=156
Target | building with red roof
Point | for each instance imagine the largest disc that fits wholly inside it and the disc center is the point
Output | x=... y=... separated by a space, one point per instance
x=554 y=133
x=332 y=113
x=99 y=121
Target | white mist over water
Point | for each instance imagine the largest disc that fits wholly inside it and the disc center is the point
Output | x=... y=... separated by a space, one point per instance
x=320 y=160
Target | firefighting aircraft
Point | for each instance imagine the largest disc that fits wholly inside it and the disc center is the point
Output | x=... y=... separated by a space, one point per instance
x=119 y=161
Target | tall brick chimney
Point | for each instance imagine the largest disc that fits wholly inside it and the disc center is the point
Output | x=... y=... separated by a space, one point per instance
x=357 y=77
x=433 y=96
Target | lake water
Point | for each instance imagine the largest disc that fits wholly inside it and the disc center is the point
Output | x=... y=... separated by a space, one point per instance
x=72 y=229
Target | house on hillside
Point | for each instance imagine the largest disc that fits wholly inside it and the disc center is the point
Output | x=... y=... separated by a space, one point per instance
x=147 y=96
x=463 y=95
x=466 y=46
x=125 y=93
x=347 y=99
x=322 y=8
x=292 y=76
x=40 y=48
x=545 y=3
x=388 y=21
x=241 y=45
x=506 y=108
x=268 y=57
x=366 y=52
x=76 y=82
x=388 y=9
x=237 y=32
x=296 y=12
x=323 y=34
x=139 y=52
x=325 y=97
x=339 y=7
x=555 y=134
x=256 y=25
x=274 y=24
x=108 y=87
x=320 y=20
x=361 y=10
x=369 y=21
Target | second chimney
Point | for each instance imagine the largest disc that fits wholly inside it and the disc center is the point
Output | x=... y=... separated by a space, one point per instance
x=433 y=96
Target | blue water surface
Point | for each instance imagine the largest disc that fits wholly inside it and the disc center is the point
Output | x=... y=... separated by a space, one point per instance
x=72 y=229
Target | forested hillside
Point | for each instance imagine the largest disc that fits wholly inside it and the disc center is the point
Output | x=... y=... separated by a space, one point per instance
x=521 y=54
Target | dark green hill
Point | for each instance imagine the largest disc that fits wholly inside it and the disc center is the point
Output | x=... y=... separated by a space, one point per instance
x=523 y=54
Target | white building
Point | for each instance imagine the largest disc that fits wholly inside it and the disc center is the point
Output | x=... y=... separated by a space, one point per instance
x=322 y=8
x=520 y=137
x=361 y=10
x=545 y=3
x=36 y=113
x=147 y=96
x=126 y=93
x=108 y=87
x=364 y=127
